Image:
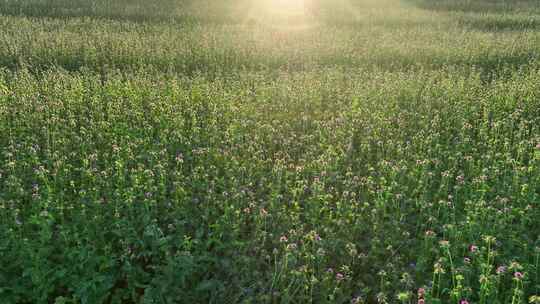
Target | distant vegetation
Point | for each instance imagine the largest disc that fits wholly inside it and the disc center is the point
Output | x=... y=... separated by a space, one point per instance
x=379 y=151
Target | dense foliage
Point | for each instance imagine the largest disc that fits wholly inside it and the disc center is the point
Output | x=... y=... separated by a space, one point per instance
x=197 y=152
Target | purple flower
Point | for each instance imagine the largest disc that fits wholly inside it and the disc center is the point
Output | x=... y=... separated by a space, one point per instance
x=501 y=269
x=518 y=275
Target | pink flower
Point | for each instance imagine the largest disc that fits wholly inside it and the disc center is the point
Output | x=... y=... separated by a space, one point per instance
x=283 y=239
x=473 y=248
x=421 y=292
x=463 y=302
x=501 y=269
x=518 y=275
x=339 y=276
x=421 y=301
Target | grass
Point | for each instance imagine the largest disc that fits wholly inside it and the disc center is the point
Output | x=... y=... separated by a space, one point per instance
x=193 y=152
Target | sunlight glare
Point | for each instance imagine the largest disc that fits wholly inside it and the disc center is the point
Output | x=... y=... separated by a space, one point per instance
x=287 y=6
x=283 y=15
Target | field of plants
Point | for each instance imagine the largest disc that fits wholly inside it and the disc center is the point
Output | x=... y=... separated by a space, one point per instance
x=242 y=151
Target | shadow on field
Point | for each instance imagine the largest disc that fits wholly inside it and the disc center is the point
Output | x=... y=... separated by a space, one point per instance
x=499 y=23
x=44 y=10
x=488 y=65
x=487 y=15
x=478 y=6
x=124 y=10
x=500 y=66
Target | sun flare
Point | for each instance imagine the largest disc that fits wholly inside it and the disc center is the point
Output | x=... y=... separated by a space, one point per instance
x=283 y=15
x=289 y=5
x=286 y=6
